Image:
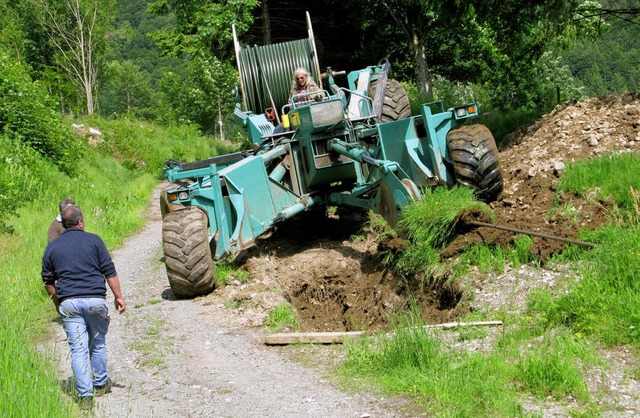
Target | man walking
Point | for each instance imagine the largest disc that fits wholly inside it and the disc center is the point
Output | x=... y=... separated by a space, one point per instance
x=75 y=267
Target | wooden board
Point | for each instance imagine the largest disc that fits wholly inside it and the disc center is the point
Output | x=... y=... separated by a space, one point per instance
x=339 y=337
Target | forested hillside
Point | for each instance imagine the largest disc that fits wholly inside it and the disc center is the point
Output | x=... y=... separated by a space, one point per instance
x=610 y=63
x=173 y=61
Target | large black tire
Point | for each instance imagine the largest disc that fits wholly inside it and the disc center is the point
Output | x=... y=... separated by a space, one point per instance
x=396 y=101
x=475 y=160
x=187 y=255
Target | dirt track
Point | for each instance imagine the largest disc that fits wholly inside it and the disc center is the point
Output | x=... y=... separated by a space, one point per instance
x=206 y=358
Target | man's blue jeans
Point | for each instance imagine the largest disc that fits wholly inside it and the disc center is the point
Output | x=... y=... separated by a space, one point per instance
x=86 y=322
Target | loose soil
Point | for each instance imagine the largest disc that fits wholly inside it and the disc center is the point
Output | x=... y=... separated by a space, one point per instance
x=206 y=358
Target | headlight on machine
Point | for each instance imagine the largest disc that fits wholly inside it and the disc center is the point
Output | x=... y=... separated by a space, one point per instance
x=173 y=196
x=465 y=111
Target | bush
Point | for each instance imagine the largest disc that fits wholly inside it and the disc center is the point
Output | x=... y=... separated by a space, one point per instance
x=20 y=180
x=28 y=115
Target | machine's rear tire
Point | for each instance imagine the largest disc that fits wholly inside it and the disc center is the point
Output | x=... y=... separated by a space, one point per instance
x=475 y=160
x=396 y=101
x=187 y=255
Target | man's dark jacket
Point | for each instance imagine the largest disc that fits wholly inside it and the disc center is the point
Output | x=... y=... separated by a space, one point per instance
x=78 y=263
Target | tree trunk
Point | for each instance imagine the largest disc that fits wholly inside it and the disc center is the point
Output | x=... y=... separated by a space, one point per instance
x=266 y=23
x=421 y=67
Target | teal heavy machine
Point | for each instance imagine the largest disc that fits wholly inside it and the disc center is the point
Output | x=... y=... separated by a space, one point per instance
x=355 y=146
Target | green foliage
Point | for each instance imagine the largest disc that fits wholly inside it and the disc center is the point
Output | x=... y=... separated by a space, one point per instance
x=22 y=369
x=282 y=318
x=21 y=172
x=520 y=253
x=608 y=64
x=130 y=47
x=76 y=31
x=127 y=90
x=487 y=259
x=432 y=220
x=113 y=194
x=604 y=302
x=201 y=95
x=144 y=147
x=28 y=116
x=538 y=87
x=202 y=26
x=550 y=368
x=430 y=224
x=413 y=361
x=510 y=58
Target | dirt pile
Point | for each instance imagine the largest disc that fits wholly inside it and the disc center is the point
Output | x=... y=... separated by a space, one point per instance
x=534 y=157
x=337 y=283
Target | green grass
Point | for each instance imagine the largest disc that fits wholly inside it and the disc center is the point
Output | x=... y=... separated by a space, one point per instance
x=430 y=225
x=605 y=303
x=607 y=178
x=414 y=361
x=226 y=272
x=488 y=259
x=282 y=318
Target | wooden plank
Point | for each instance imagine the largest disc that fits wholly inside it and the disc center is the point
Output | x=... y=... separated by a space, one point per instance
x=339 y=337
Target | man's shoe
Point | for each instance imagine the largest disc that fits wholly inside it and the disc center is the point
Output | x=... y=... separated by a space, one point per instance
x=85 y=403
x=102 y=390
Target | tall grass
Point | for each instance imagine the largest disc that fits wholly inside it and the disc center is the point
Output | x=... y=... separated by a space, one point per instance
x=451 y=383
x=607 y=178
x=113 y=193
x=605 y=302
x=430 y=224
x=503 y=123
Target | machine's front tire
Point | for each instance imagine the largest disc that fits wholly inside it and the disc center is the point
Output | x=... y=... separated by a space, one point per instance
x=187 y=255
x=396 y=101
x=475 y=160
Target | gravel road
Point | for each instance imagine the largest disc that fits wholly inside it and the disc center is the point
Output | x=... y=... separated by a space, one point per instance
x=171 y=358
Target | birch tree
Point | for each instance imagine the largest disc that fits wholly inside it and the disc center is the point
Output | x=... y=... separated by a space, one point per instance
x=76 y=28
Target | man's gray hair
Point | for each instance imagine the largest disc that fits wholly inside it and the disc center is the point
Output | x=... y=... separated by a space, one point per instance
x=71 y=216
x=302 y=70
